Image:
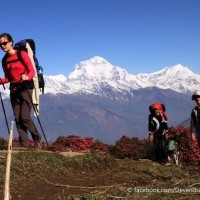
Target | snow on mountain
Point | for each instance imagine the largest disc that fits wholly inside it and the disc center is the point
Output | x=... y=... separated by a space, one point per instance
x=96 y=74
x=92 y=75
x=56 y=84
x=178 y=78
x=98 y=69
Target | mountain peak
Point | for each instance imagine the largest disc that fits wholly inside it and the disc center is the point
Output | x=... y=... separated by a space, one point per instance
x=94 y=68
x=99 y=60
x=180 y=69
x=174 y=71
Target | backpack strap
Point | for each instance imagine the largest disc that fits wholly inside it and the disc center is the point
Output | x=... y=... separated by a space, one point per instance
x=4 y=62
x=19 y=55
x=19 y=58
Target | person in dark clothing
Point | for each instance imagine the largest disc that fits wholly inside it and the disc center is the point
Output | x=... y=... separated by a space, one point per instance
x=20 y=78
x=158 y=131
x=195 y=118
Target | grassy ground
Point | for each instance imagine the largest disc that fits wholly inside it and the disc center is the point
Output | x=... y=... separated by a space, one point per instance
x=39 y=175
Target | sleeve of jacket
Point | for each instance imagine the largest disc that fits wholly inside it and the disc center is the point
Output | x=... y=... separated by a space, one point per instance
x=192 y=122
x=152 y=124
x=6 y=78
x=165 y=126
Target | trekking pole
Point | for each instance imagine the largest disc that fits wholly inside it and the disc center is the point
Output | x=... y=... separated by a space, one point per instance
x=4 y=107
x=36 y=111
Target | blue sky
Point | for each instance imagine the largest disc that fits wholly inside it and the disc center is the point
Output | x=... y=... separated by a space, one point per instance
x=142 y=36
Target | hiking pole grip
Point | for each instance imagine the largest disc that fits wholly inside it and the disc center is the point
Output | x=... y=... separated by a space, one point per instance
x=2 y=84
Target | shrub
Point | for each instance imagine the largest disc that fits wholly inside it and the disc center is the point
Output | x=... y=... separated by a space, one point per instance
x=130 y=147
x=99 y=146
x=136 y=149
x=77 y=144
x=188 y=149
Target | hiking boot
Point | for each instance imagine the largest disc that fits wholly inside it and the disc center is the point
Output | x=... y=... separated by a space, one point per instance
x=24 y=145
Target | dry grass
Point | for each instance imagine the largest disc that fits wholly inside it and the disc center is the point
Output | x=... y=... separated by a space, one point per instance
x=46 y=175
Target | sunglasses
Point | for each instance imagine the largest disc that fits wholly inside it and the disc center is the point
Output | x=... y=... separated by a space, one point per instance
x=3 y=43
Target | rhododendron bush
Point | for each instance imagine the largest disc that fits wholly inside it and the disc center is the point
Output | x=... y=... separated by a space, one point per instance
x=135 y=149
x=77 y=144
x=188 y=149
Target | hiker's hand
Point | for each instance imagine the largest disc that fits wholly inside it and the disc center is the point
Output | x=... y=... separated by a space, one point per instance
x=193 y=137
x=151 y=136
x=24 y=77
x=166 y=136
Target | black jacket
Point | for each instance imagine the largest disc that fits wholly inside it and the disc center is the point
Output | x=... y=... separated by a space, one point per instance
x=195 y=121
x=157 y=125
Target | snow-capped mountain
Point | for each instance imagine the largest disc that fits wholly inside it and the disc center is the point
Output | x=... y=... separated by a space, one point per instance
x=92 y=75
x=96 y=75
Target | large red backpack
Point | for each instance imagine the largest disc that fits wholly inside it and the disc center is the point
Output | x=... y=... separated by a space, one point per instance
x=159 y=106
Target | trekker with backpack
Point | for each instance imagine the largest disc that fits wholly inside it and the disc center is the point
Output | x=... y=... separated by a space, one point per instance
x=21 y=88
x=158 y=131
x=195 y=118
